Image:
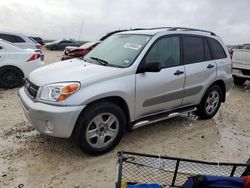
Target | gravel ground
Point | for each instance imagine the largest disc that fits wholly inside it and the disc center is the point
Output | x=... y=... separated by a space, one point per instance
x=35 y=160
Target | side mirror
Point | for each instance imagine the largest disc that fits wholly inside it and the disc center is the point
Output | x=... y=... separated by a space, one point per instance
x=152 y=67
x=1 y=47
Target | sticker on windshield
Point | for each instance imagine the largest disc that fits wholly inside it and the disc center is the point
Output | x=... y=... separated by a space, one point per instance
x=132 y=46
x=126 y=61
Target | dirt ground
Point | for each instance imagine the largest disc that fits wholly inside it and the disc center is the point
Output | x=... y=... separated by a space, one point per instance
x=35 y=160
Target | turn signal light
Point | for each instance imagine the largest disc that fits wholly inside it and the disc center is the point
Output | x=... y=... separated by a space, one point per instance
x=67 y=91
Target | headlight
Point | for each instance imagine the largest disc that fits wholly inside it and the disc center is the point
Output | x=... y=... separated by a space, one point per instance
x=59 y=91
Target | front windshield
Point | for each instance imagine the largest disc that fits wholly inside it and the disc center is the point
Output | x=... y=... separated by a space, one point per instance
x=56 y=41
x=119 y=50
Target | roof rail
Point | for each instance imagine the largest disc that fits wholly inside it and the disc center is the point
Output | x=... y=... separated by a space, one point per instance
x=151 y=28
x=189 y=29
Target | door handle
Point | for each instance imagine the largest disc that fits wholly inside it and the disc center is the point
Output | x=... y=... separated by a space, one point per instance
x=210 y=66
x=178 y=72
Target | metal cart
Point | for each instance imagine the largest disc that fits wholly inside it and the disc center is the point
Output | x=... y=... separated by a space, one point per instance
x=168 y=171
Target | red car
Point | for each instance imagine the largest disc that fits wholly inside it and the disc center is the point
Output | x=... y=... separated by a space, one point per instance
x=71 y=52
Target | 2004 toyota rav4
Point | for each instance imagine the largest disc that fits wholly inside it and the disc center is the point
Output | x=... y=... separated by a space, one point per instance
x=131 y=79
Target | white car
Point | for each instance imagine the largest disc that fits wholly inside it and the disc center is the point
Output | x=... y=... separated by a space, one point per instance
x=20 y=40
x=241 y=64
x=17 y=63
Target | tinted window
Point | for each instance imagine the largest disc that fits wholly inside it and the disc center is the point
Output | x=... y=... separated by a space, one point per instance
x=166 y=51
x=217 y=50
x=246 y=47
x=193 y=49
x=62 y=42
x=19 y=39
x=11 y=38
x=208 y=55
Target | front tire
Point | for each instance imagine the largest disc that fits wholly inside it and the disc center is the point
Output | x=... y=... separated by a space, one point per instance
x=100 y=128
x=210 y=103
x=10 y=77
x=239 y=81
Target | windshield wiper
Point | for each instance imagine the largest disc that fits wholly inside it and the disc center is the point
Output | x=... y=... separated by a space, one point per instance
x=101 y=61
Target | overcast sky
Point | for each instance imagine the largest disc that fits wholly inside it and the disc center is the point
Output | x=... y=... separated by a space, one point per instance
x=55 y=19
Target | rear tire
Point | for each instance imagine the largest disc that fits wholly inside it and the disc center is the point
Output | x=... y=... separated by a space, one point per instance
x=100 y=128
x=210 y=102
x=10 y=77
x=239 y=81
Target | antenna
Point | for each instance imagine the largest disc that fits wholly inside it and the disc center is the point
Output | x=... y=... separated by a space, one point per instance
x=80 y=30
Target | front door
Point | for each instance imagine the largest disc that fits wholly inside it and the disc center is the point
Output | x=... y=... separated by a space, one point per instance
x=160 y=91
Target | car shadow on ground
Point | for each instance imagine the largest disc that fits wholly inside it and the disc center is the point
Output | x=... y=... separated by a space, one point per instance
x=37 y=144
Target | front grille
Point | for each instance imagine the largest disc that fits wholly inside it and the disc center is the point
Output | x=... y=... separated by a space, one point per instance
x=31 y=88
x=246 y=72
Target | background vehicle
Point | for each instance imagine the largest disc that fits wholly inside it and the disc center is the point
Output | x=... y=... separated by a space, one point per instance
x=39 y=40
x=61 y=44
x=73 y=52
x=241 y=64
x=17 y=63
x=231 y=49
x=129 y=80
x=20 y=40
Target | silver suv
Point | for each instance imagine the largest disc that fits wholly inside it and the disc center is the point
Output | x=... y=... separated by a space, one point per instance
x=131 y=79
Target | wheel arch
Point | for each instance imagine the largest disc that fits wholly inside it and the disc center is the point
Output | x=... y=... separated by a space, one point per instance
x=222 y=85
x=119 y=101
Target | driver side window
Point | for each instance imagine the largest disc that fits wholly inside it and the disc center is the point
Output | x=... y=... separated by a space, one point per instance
x=166 y=51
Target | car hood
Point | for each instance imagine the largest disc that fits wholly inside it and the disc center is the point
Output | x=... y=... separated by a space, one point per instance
x=69 y=70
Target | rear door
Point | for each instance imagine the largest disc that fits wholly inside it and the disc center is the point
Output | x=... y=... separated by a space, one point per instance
x=160 y=91
x=199 y=66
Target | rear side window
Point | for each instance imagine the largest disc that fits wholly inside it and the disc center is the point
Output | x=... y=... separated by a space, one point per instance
x=19 y=39
x=11 y=38
x=216 y=49
x=193 y=49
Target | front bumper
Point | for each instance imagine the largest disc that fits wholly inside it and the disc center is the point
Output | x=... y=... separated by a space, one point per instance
x=58 y=121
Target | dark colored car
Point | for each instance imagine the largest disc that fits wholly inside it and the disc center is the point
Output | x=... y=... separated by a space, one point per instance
x=73 y=52
x=61 y=44
x=38 y=40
